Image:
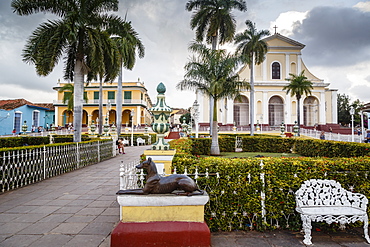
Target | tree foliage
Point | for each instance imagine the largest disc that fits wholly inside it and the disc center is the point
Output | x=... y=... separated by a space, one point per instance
x=298 y=86
x=344 y=105
x=213 y=73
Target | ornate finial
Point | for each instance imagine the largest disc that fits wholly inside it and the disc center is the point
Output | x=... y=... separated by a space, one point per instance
x=161 y=88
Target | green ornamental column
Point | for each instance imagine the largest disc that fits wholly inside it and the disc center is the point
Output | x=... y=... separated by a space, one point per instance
x=161 y=113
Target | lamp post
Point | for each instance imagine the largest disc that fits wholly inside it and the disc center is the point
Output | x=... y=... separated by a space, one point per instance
x=362 y=126
x=352 y=112
x=132 y=113
x=196 y=116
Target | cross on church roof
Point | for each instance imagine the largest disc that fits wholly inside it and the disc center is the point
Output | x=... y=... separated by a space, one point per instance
x=275 y=28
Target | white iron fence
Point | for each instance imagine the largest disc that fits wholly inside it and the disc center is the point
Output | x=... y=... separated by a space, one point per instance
x=332 y=136
x=247 y=205
x=29 y=165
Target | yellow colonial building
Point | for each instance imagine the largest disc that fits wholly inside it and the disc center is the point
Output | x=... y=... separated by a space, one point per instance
x=272 y=105
x=135 y=99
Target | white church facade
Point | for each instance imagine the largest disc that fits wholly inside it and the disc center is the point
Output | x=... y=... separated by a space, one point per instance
x=272 y=105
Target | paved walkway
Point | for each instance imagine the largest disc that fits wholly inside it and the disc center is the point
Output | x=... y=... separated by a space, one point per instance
x=80 y=209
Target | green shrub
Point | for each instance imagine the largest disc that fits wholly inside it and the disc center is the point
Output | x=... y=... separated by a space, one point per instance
x=235 y=185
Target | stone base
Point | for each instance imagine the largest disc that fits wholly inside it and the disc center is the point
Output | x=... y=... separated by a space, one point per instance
x=162 y=159
x=161 y=233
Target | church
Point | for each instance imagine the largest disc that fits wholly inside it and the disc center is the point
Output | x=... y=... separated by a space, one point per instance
x=272 y=105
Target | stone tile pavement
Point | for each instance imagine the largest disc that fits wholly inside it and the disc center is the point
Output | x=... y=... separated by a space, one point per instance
x=80 y=209
x=75 y=209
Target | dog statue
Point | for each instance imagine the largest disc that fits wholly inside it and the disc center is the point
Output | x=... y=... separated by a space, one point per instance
x=156 y=184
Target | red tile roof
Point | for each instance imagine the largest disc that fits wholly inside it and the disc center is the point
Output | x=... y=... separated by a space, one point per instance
x=11 y=104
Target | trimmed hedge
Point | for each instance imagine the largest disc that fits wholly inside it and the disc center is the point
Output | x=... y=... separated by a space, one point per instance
x=273 y=144
x=235 y=197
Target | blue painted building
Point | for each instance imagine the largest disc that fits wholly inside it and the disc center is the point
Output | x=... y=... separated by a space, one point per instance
x=13 y=113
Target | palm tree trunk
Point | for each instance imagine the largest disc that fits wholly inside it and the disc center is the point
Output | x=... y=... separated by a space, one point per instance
x=251 y=103
x=100 y=130
x=211 y=100
x=299 y=115
x=215 y=149
x=119 y=101
x=78 y=101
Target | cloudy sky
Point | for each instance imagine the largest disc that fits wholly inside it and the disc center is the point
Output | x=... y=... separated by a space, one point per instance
x=336 y=34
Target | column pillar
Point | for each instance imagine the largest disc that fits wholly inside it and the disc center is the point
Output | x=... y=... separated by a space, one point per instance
x=265 y=107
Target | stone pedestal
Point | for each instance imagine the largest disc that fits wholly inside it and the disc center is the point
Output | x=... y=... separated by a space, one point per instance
x=162 y=159
x=161 y=220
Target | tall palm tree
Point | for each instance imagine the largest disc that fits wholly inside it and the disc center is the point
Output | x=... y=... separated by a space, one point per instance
x=214 y=22
x=127 y=46
x=252 y=50
x=79 y=36
x=298 y=86
x=107 y=72
x=213 y=74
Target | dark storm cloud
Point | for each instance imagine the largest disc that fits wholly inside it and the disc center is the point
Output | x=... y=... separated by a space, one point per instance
x=334 y=36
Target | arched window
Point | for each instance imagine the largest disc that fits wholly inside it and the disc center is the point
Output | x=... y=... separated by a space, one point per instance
x=241 y=111
x=275 y=70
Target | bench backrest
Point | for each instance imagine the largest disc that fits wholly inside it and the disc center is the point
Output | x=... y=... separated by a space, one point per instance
x=318 y=192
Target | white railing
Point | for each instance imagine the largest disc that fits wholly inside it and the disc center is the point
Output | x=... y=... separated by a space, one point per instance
x=105 y=102
x=25 y=166
x=131 y=178
x=332 y=136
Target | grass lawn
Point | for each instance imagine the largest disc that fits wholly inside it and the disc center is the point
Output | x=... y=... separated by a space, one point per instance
x=254 y=154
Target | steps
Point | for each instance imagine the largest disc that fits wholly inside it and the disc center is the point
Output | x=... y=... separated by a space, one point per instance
x=173 y=135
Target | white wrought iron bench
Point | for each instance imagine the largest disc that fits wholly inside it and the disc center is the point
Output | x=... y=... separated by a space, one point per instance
x=140 y=141
x=326 y=200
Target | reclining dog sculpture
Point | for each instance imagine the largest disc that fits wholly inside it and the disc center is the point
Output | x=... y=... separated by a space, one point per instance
x=156 y=184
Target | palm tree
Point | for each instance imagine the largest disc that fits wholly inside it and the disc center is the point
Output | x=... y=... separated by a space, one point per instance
x=79 y=36
x=214 y=22
x=213 y=74
x=252 y=50
x=127 y=46
x=298 y=86
x=68 y=96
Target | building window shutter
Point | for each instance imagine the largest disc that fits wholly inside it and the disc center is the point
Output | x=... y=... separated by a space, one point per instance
x=127 y=97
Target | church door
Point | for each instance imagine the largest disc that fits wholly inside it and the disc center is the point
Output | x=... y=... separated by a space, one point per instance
x=241 y=112
x=276 y=111
x=310 y=111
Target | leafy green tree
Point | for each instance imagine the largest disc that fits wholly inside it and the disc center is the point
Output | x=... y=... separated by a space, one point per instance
x=298 y=86
x=252 y=50
x=81 y=36
x=213 y=73
x=214 y=22
x=343 y=105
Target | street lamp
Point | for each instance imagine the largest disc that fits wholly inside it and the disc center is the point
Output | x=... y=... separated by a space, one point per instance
x=362 y=126
x=196 y=116
x=132 y=113
x=352 y=112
